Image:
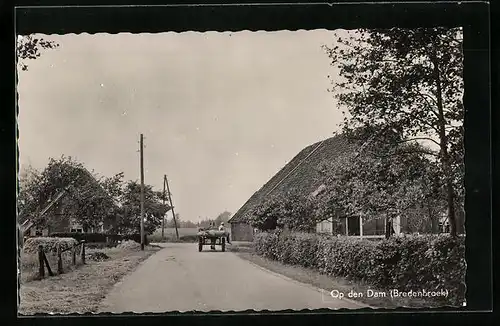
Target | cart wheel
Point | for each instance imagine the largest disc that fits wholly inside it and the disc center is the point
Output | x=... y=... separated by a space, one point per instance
x=223 y=243
x=200 y=245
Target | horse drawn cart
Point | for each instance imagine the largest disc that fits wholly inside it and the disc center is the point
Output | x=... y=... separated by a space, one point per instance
x=212 y=237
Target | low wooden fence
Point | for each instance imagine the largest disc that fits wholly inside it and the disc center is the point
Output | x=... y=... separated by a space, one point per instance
x=44 y=262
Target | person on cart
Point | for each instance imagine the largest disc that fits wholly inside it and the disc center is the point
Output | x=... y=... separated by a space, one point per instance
x=212 y=227
x=222 y=228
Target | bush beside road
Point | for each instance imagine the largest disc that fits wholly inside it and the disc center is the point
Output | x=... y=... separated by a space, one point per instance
x=415 y=263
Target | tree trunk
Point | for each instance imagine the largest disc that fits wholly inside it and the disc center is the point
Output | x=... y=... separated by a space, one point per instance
x=445 y=158
x=388 y=227
x=432 y=217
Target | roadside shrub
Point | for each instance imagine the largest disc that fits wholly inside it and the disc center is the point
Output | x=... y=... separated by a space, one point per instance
x=88 y=237
x=98 y=237
x=265 y=244
x=430 y=262
x=446 y=262
x=100 y=245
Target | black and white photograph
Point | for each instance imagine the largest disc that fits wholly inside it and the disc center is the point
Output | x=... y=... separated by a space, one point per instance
x=245 y=170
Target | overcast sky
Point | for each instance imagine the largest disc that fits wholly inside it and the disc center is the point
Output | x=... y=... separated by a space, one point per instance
x=221 y=113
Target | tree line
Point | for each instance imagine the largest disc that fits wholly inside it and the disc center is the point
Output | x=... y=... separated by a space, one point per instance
x=205 y=222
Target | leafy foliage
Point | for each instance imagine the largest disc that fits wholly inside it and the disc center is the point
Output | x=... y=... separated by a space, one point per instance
x=85 y=200
x=89 y=201
x=432 y=262
x=128 y=221
x=29 y=47
x=291 y=209
x=222 y=217
x=378 y=181
x=28 y=196
x=410 y=80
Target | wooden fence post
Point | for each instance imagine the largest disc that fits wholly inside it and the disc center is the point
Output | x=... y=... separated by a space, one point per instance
x=83 y=252
x=41 y=262
x=59 y=260
x=73 y=252
x=47 y=264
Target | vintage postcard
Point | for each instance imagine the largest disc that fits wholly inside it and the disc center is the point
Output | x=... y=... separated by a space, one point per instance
x=228 y=171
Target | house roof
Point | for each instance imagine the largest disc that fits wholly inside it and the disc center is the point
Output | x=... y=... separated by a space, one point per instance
x=301 y=173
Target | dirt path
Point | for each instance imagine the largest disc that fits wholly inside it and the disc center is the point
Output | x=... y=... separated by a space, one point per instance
x=179 y=278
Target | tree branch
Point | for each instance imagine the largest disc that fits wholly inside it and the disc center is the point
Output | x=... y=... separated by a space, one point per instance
x=427 y=152
x=419 y=138
x=426 y=97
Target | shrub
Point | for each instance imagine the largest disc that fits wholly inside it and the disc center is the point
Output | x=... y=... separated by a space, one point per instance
x=100 y=245
x=431 y=262
x=99 y=237
x=88 y=237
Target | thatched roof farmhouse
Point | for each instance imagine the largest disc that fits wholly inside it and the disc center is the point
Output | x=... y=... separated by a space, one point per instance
x=301 y=174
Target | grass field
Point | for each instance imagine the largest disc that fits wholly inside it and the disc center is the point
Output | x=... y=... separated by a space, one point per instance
x=82 y=289
x=170 y=234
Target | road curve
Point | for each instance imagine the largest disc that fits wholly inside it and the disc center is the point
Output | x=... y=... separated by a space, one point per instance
x=179 y=278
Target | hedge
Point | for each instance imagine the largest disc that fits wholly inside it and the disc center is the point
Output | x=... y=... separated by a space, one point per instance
x=49 y=244
x=99 y=237
x=430 y=262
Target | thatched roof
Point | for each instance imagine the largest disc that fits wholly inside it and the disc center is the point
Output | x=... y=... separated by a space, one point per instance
x=301 y=173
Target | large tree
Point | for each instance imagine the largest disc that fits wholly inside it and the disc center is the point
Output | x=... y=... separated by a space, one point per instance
x=129 y=221
x=85 y=200
x=222 y=217
x=30 y=47
x=291 y=209
x=28 y=181
x=411 y=79
x=377 y=180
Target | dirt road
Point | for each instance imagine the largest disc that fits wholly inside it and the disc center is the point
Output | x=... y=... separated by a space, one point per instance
x=179 y=278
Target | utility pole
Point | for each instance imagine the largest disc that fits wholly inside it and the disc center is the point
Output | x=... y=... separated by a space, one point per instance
x=172 y=205
x=163 y=219
x=142 y=192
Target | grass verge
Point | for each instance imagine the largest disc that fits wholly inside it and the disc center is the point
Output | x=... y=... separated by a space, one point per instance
x=82 y=289
x=329 y=283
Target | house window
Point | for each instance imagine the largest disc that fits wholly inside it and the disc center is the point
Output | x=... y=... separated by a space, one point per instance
x=444 y=227
x=76 y=231
x=353 y=226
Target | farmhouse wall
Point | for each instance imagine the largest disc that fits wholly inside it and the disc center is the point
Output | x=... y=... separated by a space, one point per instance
x=241 y=232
